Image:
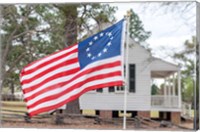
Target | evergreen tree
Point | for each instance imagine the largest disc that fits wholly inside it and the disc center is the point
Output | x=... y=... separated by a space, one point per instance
x=77 y=17
x=137 y=31
x=154 y=89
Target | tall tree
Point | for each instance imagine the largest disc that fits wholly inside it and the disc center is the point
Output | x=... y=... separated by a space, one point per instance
x=71 y=14
x=186 y=58
x=77 y=17
x=137 y=31
x=25 y=38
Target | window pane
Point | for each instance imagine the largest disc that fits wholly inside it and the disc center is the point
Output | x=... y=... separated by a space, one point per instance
x=111 y=89
x=100 y=90
x=120 y=88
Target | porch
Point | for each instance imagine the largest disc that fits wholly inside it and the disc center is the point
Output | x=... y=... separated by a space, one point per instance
x=169 y=96
x=161 y=101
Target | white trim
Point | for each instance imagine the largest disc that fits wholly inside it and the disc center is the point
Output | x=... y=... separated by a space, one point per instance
x=173 y=90
x=166 y=109
x=179 y=88
x=165 y=91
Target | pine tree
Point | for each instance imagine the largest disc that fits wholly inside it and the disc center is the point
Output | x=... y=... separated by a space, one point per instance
x=137 y=31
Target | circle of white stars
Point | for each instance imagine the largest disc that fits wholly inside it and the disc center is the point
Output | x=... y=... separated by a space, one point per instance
x=105 y=49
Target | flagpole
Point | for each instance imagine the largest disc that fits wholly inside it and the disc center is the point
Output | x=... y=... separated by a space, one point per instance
x=127 y=66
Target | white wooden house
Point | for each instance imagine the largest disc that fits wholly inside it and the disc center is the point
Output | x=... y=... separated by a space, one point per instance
x=143 y=67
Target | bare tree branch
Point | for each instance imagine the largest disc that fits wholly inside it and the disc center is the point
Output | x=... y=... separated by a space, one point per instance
x=8 y=44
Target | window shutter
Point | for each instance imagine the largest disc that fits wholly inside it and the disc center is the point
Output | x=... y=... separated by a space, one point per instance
x=132 y=79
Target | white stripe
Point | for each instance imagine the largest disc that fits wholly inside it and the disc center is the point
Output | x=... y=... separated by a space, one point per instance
x=28 y=76
x=74 y=92
x=55 y=81
x=48 y=58
x=102 y=62
x=80 y=79
x=59 y=80
x=61 y=69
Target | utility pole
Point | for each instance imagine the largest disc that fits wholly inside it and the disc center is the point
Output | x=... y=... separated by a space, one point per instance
x=198 y=64
x=0 y=68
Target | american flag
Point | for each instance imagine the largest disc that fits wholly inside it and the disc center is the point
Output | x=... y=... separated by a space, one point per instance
x=57 y=79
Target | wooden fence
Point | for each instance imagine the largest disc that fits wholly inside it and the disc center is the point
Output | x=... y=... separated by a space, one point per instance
x=11 y=97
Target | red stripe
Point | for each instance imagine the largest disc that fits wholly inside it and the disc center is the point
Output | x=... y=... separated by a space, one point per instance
x=52 y=107
x=58 y=75
x=76 y=86
x=51 y=61
x=65 y=63
x=48 y=56
x=109 y=65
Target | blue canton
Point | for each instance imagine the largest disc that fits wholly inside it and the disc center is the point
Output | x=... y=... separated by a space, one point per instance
x=102 y=45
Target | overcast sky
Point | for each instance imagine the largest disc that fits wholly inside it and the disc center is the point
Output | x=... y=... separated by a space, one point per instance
x=169 y=29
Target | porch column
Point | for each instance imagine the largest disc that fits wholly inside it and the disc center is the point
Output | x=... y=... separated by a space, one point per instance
x=165 y=92
x=169 y=87
x=179 y=88
x=173 y=90
x=168 y=92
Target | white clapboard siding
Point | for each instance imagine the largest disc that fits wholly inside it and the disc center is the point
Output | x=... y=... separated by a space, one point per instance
x=140 y=100
x=113 y=101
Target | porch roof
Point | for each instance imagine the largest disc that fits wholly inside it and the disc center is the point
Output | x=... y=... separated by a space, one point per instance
x=161 y=69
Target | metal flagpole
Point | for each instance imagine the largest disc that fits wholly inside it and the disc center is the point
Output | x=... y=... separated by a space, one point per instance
x=127 y=66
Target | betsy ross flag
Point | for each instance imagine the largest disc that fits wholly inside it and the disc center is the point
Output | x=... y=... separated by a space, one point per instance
x=57 y=79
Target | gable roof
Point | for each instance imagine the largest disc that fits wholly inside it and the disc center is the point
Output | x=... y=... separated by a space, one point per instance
x=132 y=41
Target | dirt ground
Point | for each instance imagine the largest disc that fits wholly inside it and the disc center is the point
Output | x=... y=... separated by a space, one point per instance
x=88 y=123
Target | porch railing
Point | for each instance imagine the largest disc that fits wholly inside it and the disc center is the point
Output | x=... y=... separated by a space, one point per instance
x=164 y=101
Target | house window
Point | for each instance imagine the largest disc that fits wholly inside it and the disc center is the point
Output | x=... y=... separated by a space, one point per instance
x=120 y=88
x=111 y=89
x=132 y=79
x=99 y=90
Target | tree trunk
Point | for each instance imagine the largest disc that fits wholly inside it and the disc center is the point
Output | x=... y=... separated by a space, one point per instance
x=73 y=107
x=70 y=12
x=71 y=38
x=12 y=88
